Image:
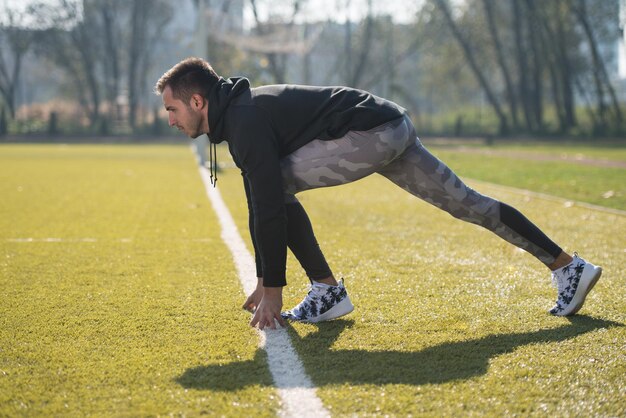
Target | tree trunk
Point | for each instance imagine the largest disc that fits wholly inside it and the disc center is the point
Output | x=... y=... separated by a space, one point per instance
x=348 y=46
x=364 y=49
x=555 y=43
x=137 y=37
x=584 y=94
x=306 y=58
x=537 y=69
x=277 y=60
x=8 y=85
x=471 y=59
x=111 y=61
x=600 y=75
x=82 y=41
x=566 y=73
x=510 y=91
x=4 y=124
x=523 y=86
x=18 y=41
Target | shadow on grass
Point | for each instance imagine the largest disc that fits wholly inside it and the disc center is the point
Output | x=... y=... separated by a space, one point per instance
x=434 y=365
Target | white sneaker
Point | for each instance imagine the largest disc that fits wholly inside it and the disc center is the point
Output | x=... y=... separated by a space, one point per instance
x=573 y=283
x=322 y=303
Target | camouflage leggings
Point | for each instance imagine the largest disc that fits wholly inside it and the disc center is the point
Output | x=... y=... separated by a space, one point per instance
x=394 y=151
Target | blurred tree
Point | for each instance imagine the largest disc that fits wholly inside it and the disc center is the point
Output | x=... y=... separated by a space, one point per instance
x=101 y=45
x=365 y=57
x=53 y=128
x=4 y=128
x=477 y=69
x=147 y=20
x=70 y=37
x=531 y=63
x=560 y=44
x=277 y=59
x=270 y=50
x=489 y=7
x=549 y=40
x=356 y=70
x=601 y=79
x=112 y=15
x=523 y=85
x=220 y=38
x=470 y=66
x=15 y=41
x=211 y=27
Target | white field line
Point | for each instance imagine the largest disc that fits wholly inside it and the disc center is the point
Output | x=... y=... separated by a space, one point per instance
x=296 y=391
x=566 y=202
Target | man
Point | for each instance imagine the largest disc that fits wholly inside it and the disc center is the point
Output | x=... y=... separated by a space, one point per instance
x=288 y=138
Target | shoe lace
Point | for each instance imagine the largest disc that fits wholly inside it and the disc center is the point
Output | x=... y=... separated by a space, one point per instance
x=556 y=282
x=312 y=293
x=316 y=291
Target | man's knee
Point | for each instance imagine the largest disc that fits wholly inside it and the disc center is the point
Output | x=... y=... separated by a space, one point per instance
x=475 y=208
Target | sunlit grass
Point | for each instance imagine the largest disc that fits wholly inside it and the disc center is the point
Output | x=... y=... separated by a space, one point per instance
x=125 y=302
x=123 y=290
x=604 y=186
x=590 y=149
x=449 y=319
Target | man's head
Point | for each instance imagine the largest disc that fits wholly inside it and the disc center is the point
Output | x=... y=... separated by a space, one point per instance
x=185 y=91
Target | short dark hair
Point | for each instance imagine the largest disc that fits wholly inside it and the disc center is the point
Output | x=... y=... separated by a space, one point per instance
x=190 y=76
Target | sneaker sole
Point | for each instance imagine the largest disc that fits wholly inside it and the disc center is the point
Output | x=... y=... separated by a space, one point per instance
x=342 y=308
x=590 y=276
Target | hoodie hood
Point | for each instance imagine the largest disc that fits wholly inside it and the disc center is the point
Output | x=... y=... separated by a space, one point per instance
x=220 y=96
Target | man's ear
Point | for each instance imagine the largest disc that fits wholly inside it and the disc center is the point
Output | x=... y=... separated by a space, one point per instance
x=197 y=101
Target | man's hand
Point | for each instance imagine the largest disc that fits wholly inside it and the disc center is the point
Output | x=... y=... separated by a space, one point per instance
x=269 y=309
x=254 y=299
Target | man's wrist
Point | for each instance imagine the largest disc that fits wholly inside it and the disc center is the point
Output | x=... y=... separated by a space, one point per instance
x=273 y=292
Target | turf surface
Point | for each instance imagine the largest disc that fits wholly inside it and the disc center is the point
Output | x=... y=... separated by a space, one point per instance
x=118 y=298
x=529 y=168
x=115 y=288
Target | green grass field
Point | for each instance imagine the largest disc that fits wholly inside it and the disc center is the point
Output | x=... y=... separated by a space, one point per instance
x=118 y=297
x=521 y=165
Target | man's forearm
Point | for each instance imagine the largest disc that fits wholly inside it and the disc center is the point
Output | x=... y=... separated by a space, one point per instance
x=273 y=292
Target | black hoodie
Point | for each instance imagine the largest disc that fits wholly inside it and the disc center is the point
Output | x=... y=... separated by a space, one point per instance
x=263 y=125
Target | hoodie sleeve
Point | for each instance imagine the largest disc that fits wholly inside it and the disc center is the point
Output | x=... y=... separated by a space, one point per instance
x=255 y=146
x=257 y=253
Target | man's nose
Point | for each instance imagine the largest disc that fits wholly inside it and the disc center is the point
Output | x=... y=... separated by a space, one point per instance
x=171 y=120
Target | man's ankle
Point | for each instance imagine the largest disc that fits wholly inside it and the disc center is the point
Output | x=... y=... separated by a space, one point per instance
x=561 y=261
x=330 y=280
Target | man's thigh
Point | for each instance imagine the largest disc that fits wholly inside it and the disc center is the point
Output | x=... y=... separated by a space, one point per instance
x=349 y=158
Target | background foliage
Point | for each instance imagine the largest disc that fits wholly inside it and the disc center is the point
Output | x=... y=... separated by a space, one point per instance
x=465 y=67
